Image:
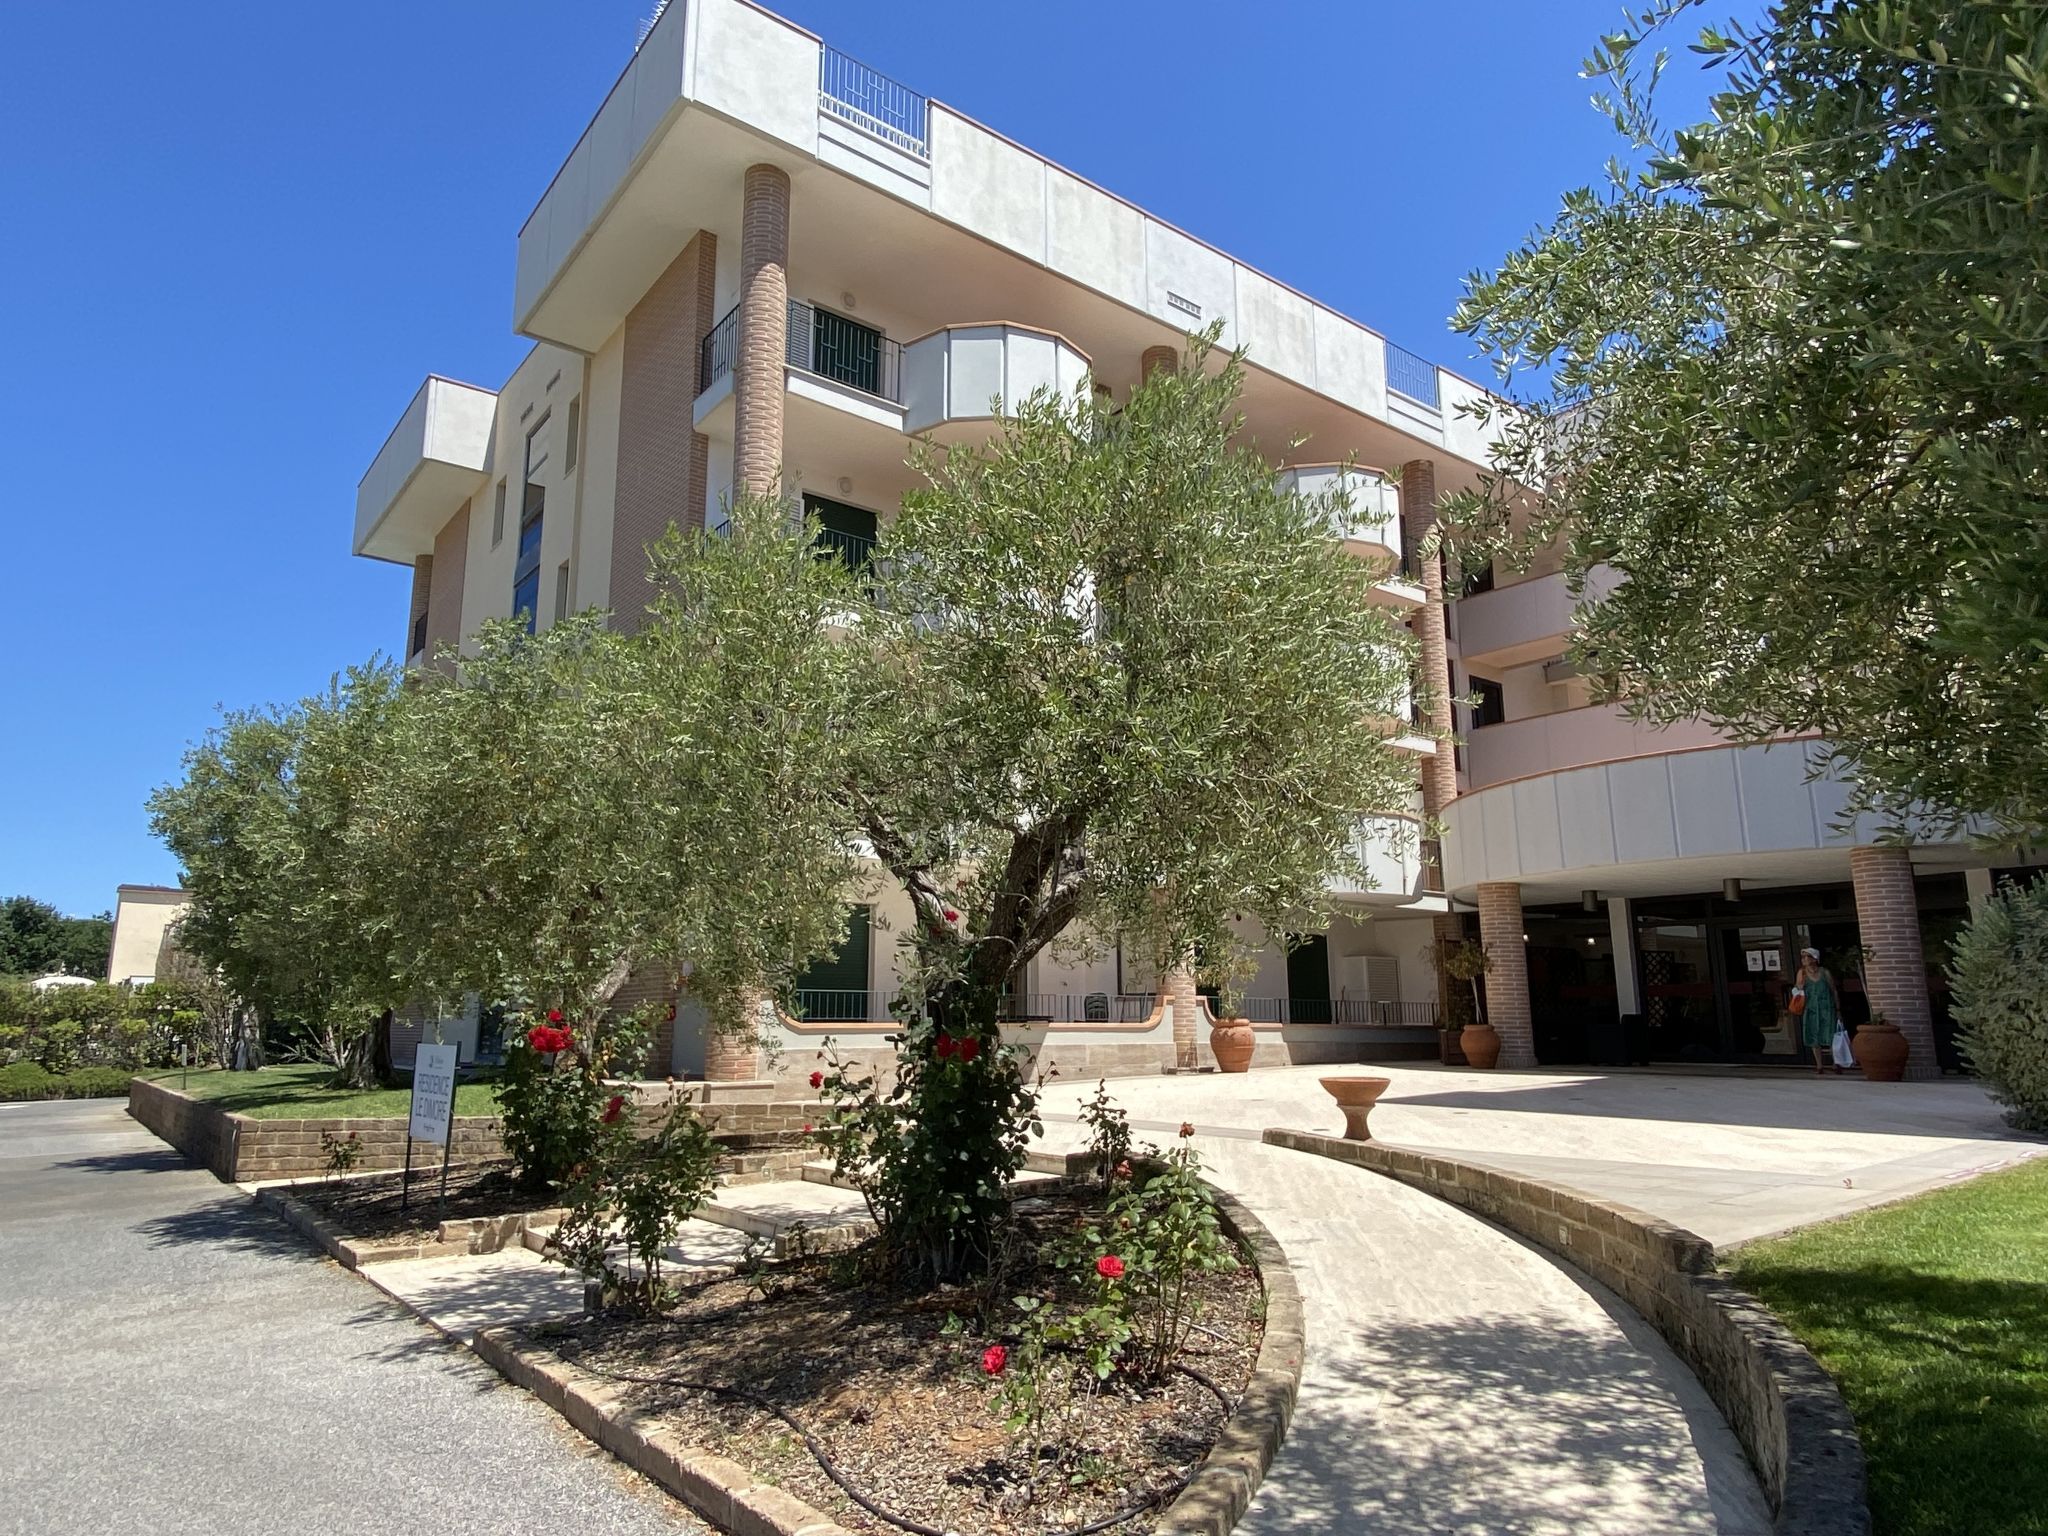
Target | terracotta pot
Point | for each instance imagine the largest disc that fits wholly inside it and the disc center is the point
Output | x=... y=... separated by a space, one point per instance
x=1232 y=1042
x=1481 y=1045
x=1881 y=1051
x=1356 y=1097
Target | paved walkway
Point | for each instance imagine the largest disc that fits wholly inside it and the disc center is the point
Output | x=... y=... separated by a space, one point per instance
x=175 y=1359
x=1731 y=1155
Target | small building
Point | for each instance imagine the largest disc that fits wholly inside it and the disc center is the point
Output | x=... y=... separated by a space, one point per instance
x=143 y=915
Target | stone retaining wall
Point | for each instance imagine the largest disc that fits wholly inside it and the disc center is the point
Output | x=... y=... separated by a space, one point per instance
x=1783 y=1407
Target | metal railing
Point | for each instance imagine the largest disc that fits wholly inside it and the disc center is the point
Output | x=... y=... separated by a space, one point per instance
x=1432 y=860
x=719 y=349
x=851 y=550
x=856 y=1007
x=1352 y=1012
x=818 y=342
x=872 y=102
x=1412 y=376
x=835 y=1007
x=845 y=351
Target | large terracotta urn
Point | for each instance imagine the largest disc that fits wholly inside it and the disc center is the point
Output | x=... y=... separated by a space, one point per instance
x=1356 y=1097
x=1232 y=1042
x=1481 y=1045
x=1880 y=1050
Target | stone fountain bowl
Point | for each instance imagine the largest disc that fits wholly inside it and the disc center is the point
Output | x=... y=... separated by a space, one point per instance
x=1356 y=1097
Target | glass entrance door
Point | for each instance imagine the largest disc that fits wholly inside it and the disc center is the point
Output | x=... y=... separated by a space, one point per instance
x=1758 y=960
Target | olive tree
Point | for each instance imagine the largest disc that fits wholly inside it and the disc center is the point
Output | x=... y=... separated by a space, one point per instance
x=1113 y=680
x=283 y=903
x=1789 y=379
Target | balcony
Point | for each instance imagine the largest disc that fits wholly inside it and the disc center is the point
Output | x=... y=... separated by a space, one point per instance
x=1529 y=621
x=961 y=373
x=870 y=101
x=428 y=466
x=831 y=361
x=1369 y=521
x=1390 y=850
x=1573 y=738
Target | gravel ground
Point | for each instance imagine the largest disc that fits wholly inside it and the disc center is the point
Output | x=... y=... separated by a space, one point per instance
x=175 y=1359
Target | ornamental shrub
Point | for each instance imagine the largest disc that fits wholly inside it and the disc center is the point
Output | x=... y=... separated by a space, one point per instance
x=1998 y=980
x=27 y=1080
x=641 y=1189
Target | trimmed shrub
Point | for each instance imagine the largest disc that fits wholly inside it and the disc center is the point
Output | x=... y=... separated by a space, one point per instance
x=25 y=1080
x=1999 y=995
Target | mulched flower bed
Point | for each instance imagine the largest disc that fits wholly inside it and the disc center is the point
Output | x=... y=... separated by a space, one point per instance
x=893 y=1388
x=366 y=1210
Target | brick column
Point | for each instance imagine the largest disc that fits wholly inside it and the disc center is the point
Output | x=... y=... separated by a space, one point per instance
x=1895 y=970
x=1177 y=991
x=1156 y=358
x=732 y=1058
x=1418 y=520
x=663 y=469
x=1507 y=983
x=763 y=340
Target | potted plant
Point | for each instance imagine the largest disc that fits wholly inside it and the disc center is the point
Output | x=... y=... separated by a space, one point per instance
x=1231 y=1040
x=1880 y=1050
x=1467 y=961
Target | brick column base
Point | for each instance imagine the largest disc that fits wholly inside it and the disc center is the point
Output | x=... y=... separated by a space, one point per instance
x=1156 y=358
x=736 y=1058
x=1177 y=990
x=1507 y=983
x=1895 y=970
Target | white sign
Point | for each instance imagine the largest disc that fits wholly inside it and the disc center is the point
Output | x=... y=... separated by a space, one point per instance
x=433 y=1093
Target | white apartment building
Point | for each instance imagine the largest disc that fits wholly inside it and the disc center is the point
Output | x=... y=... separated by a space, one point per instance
x=765 y=262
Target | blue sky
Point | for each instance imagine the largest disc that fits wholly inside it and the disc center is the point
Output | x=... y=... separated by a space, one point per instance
x=238 y=235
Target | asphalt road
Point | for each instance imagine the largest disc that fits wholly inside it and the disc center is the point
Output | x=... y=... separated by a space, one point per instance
x=174 y=1359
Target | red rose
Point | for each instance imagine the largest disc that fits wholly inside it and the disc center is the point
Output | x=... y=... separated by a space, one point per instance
x=1110 y=1267
x=993 y=1359
x=947 y=1046
x=807 y=1127
x=547 y=1040
x=817 y=1079
x=1187 y=1128
x=554 y=1015
x=952 y=916
x=969 y=1048
x=611 y=1110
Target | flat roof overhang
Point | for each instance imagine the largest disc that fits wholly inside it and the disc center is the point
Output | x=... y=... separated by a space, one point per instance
x=427 y=468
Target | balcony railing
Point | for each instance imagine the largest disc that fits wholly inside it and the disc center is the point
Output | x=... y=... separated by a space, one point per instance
x=717 y=352
x=837 y=1007
x=845 y=351
x=1412 y=376
x=851 y=550
x=1351 y=1012
x=873 y=103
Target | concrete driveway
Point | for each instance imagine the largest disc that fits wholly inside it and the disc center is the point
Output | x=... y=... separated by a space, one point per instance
x=174 y=1359
x=1729 y=1155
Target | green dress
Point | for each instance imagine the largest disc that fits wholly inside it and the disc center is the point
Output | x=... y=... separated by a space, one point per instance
x=1817 y=1025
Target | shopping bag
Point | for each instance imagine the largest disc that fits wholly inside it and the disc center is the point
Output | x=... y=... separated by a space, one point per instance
x=1844 y=1057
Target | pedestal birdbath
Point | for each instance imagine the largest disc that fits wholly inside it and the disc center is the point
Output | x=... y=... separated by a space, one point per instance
x=1356 y=1097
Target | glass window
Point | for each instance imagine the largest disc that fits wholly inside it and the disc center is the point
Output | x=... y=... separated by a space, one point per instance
x=569 y=438
x=526 y=598
x=498 y=518
x=562 y=590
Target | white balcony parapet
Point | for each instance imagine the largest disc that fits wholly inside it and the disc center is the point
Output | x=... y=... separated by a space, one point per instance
x=1389 y=848
x=428 y=465
x=1371 y=523
x=961 y=373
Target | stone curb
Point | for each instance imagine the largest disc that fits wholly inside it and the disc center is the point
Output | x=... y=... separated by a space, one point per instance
x=1222 y=1487
x=469 y=1235
x=1784 y=1408
x=728 y=1495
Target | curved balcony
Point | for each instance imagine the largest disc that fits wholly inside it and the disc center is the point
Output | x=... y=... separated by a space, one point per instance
x=1391 y=851
x=1753 y=811
x=1528 y=620
x=959 y=373
x=1371 y=523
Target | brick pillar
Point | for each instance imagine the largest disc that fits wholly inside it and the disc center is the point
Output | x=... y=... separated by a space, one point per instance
x=758 y=388
x=1418 y=520
x=1507 y=983
x=1177 y=990
x=1895 y=970
x=422 y=585
x=730 y=1058
x=1156 y=358
x=662 y=468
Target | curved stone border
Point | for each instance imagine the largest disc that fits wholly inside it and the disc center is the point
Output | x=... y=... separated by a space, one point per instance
x=1783 y=1407
x=728 y=1495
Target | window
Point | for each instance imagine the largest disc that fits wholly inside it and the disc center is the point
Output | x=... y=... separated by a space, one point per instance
x=836 y=986
x=1489 y=705
x=498 y=518
x=536 y=448
x=846 y=534
x=562 y=590
x=532 y=512
x=574 y=429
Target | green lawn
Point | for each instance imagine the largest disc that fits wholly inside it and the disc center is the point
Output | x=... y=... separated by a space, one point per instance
x=301 y=1092
x=1933 y=1316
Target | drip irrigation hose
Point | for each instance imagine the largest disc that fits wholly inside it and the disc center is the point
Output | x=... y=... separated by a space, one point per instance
x=845 y=1484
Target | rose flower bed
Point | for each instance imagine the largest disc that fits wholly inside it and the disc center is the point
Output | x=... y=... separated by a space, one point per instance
x=367 y=1209
x=1071 y=1386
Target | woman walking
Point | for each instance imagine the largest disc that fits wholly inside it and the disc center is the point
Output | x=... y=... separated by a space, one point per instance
x=1820 y=1018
